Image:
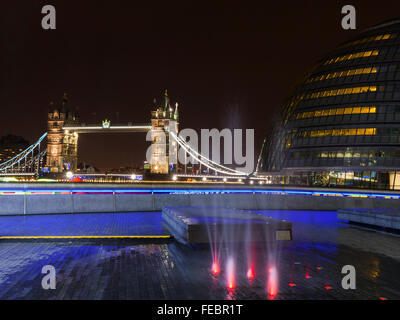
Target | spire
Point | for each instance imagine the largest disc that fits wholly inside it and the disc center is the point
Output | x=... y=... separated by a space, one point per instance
x=166 y=100
x=176 y=114
x=76 y=113
x=51 y=107
x=64 y=103
x=65 y=98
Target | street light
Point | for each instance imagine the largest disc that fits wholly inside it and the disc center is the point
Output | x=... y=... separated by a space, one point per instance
x=69 y=175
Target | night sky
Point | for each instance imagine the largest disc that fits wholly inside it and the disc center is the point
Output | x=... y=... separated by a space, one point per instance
x=229 y=65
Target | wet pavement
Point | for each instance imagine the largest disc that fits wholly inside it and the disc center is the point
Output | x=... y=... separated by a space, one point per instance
x=309 y=267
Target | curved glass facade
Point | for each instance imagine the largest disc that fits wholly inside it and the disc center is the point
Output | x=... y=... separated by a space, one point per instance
x=341 y=125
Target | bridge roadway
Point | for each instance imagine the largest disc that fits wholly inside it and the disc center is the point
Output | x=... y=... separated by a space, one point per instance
x=41 y=198
x=83 y=128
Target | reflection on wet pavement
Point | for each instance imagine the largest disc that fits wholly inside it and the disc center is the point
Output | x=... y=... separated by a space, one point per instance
x=309 y=267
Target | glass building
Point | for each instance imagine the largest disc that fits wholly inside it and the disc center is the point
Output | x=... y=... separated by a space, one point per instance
x=341 y=125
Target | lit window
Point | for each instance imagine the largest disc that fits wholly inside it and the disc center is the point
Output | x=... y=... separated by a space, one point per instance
x=351 y=56
x=340 y=132
x=335 y=92
x=370 y=131
x=335 y=111
x=340 y=111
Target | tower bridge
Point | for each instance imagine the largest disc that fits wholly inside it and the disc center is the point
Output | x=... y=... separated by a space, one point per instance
x=64 y=128
x=57 y=150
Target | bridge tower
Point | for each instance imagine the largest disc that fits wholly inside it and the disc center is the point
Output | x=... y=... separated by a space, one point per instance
x=163 y=159
x=62 y=145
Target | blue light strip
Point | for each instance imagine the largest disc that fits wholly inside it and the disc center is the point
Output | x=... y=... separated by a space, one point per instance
x=320 y=193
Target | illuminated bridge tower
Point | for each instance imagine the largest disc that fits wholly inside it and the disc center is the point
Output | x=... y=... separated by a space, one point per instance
x=62 y=145
x=163 y=159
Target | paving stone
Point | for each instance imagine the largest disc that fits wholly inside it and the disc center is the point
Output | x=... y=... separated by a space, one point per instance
x=313 y=261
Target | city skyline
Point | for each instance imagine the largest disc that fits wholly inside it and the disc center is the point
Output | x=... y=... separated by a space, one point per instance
x=219 y=63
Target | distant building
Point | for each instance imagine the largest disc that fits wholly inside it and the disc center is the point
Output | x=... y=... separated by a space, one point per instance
x=341 y=125
x=10 y=146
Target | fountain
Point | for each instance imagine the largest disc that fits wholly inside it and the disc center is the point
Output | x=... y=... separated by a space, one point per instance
x=242 y=243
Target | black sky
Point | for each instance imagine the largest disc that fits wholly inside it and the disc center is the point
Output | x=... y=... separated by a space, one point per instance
x=228 y=64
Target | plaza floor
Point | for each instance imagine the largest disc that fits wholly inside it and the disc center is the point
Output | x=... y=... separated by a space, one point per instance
x=309 y=267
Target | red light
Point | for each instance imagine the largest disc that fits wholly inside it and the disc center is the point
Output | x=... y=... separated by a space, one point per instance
x=230 y=268
x=328 y=287
x=270 y=270
x=292 y=284
x=272 y=286
x=319 y=268
x=308 y=276
x=382 y=298
x=250 y=273
x=215 y=268
x=272 y=293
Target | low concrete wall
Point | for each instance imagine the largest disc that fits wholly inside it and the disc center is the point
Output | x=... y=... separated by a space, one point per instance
x=21 y=199
x=384 y=218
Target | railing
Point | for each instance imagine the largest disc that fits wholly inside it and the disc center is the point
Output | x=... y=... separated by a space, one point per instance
x=205 y=161
x=29 y=159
